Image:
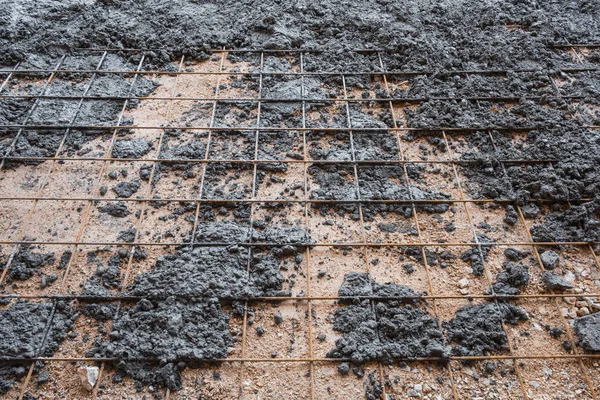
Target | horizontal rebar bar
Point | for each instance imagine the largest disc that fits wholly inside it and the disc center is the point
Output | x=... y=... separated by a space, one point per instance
x=238 y=50
x=226 y=100
x=298 y=298
x=288 y=200
x=317 y=244
x=306 y=73
x=312 y=359
x=274 y=161
x=447 y=129
x=299 y=50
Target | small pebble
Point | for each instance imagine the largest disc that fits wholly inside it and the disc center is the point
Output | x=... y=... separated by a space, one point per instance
x=344 y=368
x=43 y=377
x=278 y=319
x=409 y=268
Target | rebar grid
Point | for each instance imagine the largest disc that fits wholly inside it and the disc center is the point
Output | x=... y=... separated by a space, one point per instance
x=31 y=110
x=364 y=244
x=40 y=348
x=10 y=147
x=47 y=175
x=207 y=151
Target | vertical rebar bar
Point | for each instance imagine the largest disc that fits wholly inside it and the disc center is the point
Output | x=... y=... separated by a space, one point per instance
x=415 y=216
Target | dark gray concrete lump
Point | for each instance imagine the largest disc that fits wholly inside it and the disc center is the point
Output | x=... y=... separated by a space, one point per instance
x=510 y=279
x=588 y=332
x=477 y=329
x=131 y=148
x=389 y=331
x=31 y=329
x=553 y=281
x=550 y=259
x=26 y=263
x=168 y=331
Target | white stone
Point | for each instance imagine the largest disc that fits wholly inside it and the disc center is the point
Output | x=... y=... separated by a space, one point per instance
x=463 y=283
x=427 y=388
x=569 y=276
x=88 y=376
x=418 y=387
x=569 y=300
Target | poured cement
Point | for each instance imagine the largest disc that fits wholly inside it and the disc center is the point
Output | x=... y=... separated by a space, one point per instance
x=477 y=330
x=386 y=330
x=26 y=332
x=170 y=331
x=212 y=272
x=389 y=330
x=418 y=30
x=175 y=332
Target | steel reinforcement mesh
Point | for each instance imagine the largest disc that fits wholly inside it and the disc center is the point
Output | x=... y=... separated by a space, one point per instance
x=53 y=203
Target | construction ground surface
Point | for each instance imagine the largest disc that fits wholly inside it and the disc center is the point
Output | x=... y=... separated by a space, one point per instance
x=275 y=214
